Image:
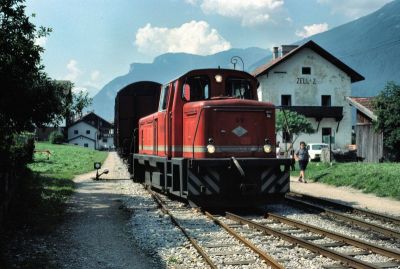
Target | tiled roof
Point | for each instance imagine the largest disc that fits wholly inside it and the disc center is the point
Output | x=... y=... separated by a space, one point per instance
x=364 y=101
x=319 y=50
x=364 y=104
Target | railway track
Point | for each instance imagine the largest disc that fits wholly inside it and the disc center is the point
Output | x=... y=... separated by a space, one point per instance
x=341 y=248
x=273 y=241
x=218 y=248
x=387 y=226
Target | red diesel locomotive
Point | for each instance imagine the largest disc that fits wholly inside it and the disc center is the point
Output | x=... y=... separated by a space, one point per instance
x=211 y=141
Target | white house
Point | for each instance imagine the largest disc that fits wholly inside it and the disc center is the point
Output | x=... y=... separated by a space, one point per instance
x=311 y=81
x=91 y=131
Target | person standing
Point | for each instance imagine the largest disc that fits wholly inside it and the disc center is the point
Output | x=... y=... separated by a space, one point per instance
x=278 y=150
x=302 y=156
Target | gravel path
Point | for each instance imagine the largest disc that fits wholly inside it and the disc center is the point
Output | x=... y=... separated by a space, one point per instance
x=96 y=233
x=347 y=196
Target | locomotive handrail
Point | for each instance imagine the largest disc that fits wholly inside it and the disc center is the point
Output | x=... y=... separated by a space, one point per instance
x=197 y=126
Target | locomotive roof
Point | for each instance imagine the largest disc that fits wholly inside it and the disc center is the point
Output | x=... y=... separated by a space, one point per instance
x=205 y=70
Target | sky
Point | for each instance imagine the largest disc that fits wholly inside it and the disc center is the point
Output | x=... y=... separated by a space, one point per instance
x=94 y=41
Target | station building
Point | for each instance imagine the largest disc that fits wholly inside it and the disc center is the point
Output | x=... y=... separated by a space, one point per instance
x=309 y=80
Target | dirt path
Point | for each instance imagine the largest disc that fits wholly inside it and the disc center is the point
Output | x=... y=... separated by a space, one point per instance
x=348 y=196
x=96 y=232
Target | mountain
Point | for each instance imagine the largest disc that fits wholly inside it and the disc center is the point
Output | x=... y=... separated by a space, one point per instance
x=166 y=67
x=370 y=45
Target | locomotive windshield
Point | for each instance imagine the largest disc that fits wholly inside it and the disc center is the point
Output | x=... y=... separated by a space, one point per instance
x=239 y=88
x=199 y=87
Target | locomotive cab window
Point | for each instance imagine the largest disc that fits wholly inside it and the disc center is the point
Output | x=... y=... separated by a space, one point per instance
x=199 y=87
x=239 y=88
x=163 y=98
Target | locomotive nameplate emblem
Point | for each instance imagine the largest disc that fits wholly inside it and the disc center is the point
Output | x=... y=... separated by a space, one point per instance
x=239 y=131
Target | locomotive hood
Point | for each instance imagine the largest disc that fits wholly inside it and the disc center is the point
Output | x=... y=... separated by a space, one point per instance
x=230 y=127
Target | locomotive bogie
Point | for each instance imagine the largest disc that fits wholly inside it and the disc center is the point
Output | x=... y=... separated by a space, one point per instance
x=217 y=182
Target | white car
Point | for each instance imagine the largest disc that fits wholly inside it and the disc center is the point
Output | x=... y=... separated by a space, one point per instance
x=314 y=150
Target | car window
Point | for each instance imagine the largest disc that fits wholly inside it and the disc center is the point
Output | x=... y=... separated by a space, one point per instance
x=318 y=147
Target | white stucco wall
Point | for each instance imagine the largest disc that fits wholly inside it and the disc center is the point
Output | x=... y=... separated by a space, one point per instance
x=106 y=145
x=82 y=127
x=325 y=79
x=81 y=141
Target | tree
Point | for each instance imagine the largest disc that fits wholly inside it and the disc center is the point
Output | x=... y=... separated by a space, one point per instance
x=73 y=103
x=80 y=100
x=387 y=110
x=28 y=97
x=293 y=123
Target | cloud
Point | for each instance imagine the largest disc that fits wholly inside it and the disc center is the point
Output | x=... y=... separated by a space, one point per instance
x=192 y=2
x=355 y=8
x=95 y=75
x=91 y=90
x=83 y=83
x=312 y=29
x=195 y=37
x=249 y=12
x=73 y=71
x=41 y=41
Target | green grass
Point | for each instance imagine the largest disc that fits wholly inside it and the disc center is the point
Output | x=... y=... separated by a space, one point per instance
x=382 y=179
x=40 y=200
x=65 y=161
x=48 y=183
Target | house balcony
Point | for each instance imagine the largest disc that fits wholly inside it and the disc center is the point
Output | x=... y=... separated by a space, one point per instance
x=105 y=135
x=317 y=112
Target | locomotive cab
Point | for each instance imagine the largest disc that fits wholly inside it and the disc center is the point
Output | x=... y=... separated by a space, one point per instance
x=211 y=141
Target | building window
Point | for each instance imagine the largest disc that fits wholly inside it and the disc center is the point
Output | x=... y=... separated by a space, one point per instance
x=105 y=140
x=86 y=145
x=306 y=70
x=87 y=131
x=75 y=131
x=286 y=100
x=325 y=100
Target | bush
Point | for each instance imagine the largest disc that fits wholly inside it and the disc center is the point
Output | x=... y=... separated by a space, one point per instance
x=56 y=137
x=21 y=150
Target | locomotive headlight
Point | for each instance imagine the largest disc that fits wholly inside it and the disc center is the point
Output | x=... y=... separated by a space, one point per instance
x=267 y=148
x=218 y=78
x=210 y=148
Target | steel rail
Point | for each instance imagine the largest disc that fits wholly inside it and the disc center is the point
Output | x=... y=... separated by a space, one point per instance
x=392 y=253
x=267 y=258
x=347 y=207
x=341 y=216
x=157 y=198
x=352 y=262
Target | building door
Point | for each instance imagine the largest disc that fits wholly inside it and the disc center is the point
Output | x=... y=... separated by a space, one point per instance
x=327 y=136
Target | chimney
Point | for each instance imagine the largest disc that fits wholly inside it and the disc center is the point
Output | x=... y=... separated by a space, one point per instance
x=288 y=48
x=276 y=53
